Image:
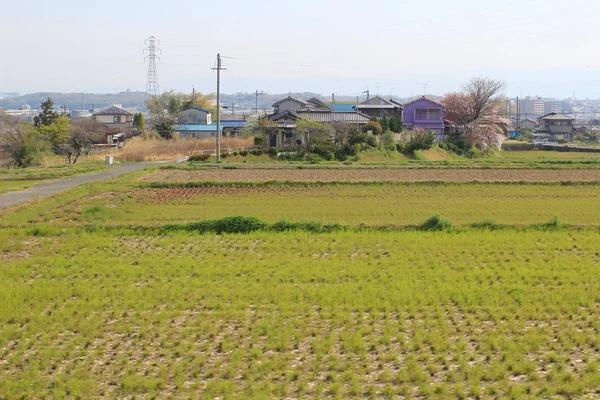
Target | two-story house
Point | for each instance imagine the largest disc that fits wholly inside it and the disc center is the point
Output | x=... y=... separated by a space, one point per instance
x=558 y=126
x=115 y=117
x=427 y=114
x=378 y=107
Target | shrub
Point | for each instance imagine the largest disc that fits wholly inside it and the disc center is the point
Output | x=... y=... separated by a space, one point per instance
x=486 y=224
x=259 y=140
x=235 y=153
x=238 y=224
x=420 y=141
x=257 y=152
x=243 y=153
x=436 y=223
x=273 y=151
x=374 y=127
x=224 y=155
x=32 y=151
x=199 y=158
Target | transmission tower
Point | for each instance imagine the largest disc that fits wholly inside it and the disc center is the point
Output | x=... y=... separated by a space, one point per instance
x=152 y=50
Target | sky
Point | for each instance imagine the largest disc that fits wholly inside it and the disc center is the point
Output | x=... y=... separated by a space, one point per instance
x=391 y=47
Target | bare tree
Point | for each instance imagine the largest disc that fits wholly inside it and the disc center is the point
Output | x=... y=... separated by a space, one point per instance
x=342 y=130
x=84 y=133
x=13 y=132
x=484 y=94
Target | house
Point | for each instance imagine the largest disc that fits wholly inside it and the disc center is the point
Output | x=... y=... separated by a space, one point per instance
x=528 y=124
x=378 y=107
x=229 y=128
x=194 y=115
x=115 y=117
x=294 y=104
x=283 y=130
x=425 y=113
x=558 y=126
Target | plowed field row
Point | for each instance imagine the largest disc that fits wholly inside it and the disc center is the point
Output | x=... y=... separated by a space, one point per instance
x=362 y=175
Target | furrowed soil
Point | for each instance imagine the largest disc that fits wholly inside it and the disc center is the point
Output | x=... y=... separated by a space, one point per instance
x=363 y=175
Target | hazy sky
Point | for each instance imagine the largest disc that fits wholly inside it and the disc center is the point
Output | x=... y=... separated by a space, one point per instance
x=544 y=47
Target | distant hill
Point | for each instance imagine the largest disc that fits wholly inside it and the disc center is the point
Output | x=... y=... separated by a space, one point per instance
x=130 y=99
x=76 y=100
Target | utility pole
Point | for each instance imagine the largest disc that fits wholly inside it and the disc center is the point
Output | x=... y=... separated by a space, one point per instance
x=193 y=96
x=232 y=105
x=218 y=152
x=518 y=115
x=367 y=92
x=332 y=102
x=256 y=100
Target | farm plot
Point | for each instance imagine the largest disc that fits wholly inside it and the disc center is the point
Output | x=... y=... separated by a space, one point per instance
x=368 y=174
x=347 y=204
x=264 y=315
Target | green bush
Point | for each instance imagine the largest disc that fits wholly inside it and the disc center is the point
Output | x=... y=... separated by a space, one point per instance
x=259 y=140
x=436 y=223
x=238 y=224
x=243 y=153
x=257 y=152
x=420 y=141
x=32 y=151
x=199 y=158
x=273 y=151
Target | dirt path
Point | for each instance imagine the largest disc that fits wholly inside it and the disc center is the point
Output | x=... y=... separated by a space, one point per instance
x=47 y=189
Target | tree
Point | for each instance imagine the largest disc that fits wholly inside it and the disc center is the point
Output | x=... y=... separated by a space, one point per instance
x=47 y=116
x=138 y=122
x=164 y=129
x=56 y=133
x=374 y=127
x=475 y=111
x=395 y=124
x=342 y=130
x=83 y=134
x=24 y=145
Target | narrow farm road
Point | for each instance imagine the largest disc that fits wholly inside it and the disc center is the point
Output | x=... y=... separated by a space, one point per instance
x=46 y=189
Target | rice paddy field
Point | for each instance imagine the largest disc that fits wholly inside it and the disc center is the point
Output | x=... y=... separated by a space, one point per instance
x=98 y=300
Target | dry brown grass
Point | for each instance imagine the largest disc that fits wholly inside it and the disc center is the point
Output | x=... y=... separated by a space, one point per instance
x=138 y=149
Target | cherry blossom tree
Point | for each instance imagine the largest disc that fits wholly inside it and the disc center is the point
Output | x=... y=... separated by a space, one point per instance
x=475 y=111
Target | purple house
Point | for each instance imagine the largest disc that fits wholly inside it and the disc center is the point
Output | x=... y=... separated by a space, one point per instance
x=426 y=114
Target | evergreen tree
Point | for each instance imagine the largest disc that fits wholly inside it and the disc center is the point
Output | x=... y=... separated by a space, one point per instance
x=138 y=122
x=47 y=116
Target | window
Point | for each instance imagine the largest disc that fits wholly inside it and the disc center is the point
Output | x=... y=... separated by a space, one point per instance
x=117 y=118
x=428 y=114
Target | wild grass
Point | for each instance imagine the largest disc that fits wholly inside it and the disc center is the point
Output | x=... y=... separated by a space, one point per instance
x=298 y=314
x=137 y=149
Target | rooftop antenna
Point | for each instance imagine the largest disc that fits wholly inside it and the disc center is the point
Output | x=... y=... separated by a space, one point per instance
x=152 y=88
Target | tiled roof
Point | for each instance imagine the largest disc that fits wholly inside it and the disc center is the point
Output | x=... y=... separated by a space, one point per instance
x=424 y=98
x=198 y=108
x=558 y=117
x=290 y=98
x=329 y=117
x=113 y=110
